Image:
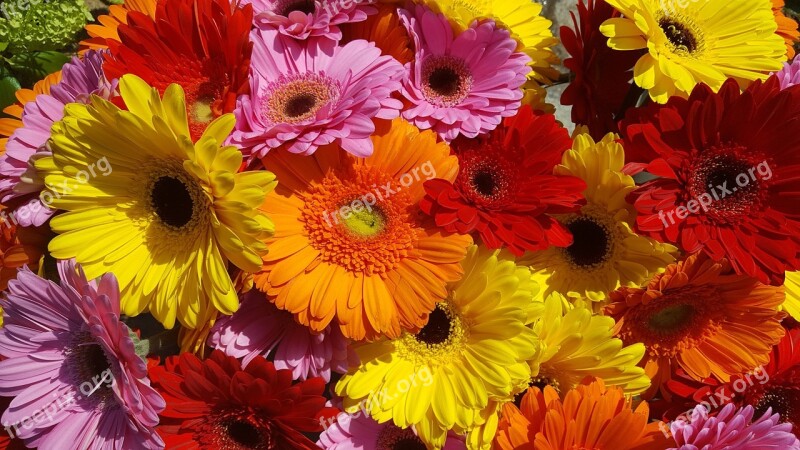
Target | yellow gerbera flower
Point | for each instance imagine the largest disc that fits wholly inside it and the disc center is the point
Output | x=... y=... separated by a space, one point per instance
x=521 y=17
x=167 y=215
x=792 y=302
x=473 y=352
x=606 y=253
x=690 y=42
x=576 y=344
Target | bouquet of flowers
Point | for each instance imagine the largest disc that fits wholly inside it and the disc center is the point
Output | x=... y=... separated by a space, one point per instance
x=358 y=224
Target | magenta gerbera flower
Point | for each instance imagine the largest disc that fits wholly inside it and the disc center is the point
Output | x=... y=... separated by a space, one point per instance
x=306 y=94
x=790 y=74
x=732 y=429
x=461 y=83
x=20 y=185
x=259 y=328
x=359 y=431
x=71 y=366
x=302 y=19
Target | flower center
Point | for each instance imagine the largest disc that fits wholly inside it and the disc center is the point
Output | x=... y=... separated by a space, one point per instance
x=437 y=330
x=671 y=318
x=286 y=7
x=483 y=178
x=392 y=437
x=446 y=80
x=484 y=183
x=90 y=368
x=172 y=201
x=591 y=245
x=293 y=99
x=238 y=430
x=201 y=110
x=245 y=434
x=678 y=35
x=365 y=223
x=783 y=401
x=439 y=341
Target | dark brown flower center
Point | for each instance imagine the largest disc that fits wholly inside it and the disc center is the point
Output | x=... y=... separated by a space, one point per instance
x=591 y=243
x=90 y=368
x=245 y=434
x=485 y=183
x=300 y=105
x=172 y=201
x=783 y=400
x=725 y=185
x=286 y=7
x=678 y=34
x=395 y=438
x=437 y=330
x=446 y=80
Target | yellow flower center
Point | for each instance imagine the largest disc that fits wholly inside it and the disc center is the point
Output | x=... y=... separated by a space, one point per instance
x=365 y=223
x=201 y=110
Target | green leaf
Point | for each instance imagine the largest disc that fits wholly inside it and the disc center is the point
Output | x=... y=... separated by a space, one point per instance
x=31 y=67
x=8 y=87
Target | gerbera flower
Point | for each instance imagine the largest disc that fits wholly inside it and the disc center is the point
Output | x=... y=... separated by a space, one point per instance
x=169 y=215
x=217 y=404
x=351 y=243
x=600 y=87
x=473 y=351
x=789 y=75
x=787 y=28
x=70 y=357
x=792 y=286
x=202 y=45
x=107 y=27
x=605 y=253
x=505 y=186
x=732 y=428
x=304 y=19
x=740 y=167
x=575 y=344
x=453 y=89
x=385 y=30
x=692 y=317
x=591 y=416
x=361 y=432
x=521 y=17
x=692 y=43
x=258 y=328
x=20 y=184
x=304 y=95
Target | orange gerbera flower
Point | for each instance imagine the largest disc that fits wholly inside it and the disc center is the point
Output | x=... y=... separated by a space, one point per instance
x=107 y=29
x=701 y=317
x=19 y=247
x=350 y=241
x=203 y=45
x=385 y=30
x=787 y=28
x=591 y=416
x=9 y=124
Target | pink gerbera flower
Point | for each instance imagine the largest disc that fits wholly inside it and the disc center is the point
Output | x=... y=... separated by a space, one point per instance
x=732 y=429
x=20 y=185
x=360 y=432
x=306 y=94
x=461 y=84
x=259 y=328
x=302 y=19
x=790 y=74
x=71 y=366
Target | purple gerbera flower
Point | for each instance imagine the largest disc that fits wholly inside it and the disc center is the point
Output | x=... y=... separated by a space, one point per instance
x=258 y=328
x=461 y=84
x=790 y=74
x=302 y=19
x=20 y=184
x=71 y=366
x=360 y=432
x=732 y=429
x=306 y=94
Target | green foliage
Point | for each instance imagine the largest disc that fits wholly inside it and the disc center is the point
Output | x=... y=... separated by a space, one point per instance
x=41 y=25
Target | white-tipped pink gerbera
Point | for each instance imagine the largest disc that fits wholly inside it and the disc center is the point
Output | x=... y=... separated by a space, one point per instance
x=306 y=94
x=465 y=83
x=302 y=19
x=71 y=366
x=732 y=429
x=20 y=185
x=359 y=431
x=259 y=328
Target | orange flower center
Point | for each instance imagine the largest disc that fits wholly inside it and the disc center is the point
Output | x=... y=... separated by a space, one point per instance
x=678 y=320
x=353 y=223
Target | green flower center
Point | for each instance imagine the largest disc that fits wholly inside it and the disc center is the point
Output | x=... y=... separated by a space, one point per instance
x=365 y=223
x=671 y=317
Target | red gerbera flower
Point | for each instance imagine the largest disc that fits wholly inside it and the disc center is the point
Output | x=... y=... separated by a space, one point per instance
x=203 y=45
x=600 y=89
x=215 y=404
x=728 y=167
x=505 y=186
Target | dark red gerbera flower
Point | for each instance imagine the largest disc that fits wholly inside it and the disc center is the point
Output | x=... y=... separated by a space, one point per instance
x=505 y=186
x=215 y=404
x=601 y=88
x=729 y=175
x=203 y=45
